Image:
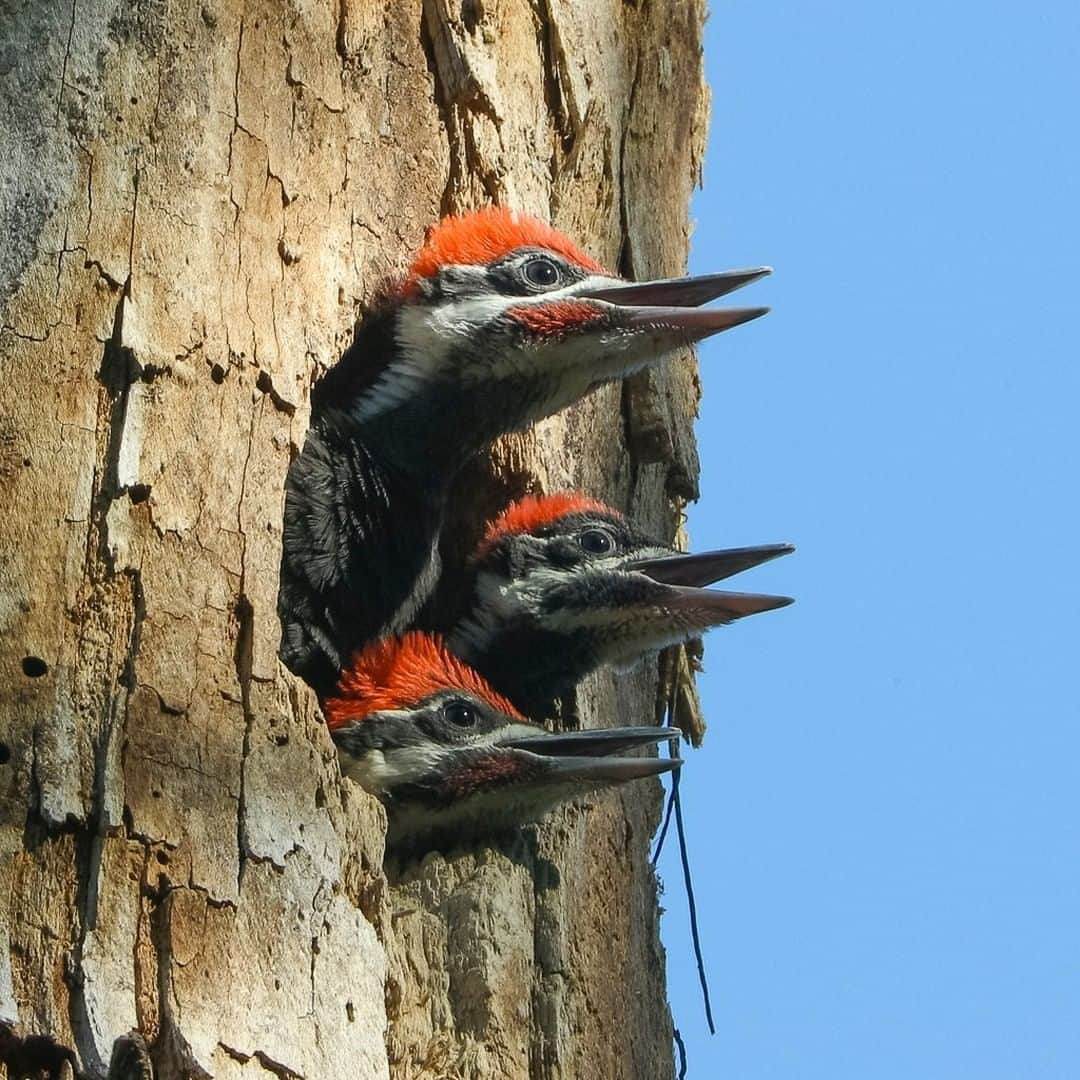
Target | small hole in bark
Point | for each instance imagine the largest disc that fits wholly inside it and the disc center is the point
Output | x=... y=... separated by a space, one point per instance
x=162 y=857
x=156 y=794
x=138 y=493
x=5 y=753
x=281 y=739
x=217 y=373
x=34 y=667
x=277 y=984
x=350 y=1012
x=26 y=463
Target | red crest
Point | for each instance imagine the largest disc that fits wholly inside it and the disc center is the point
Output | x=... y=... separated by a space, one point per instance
x=397 y=673
x=535 y=511
x=487 y=234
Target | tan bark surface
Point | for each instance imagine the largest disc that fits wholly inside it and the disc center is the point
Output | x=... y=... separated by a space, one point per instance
x=195 y=198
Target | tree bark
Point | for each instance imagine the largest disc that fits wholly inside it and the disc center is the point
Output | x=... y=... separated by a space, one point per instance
x=196 y=196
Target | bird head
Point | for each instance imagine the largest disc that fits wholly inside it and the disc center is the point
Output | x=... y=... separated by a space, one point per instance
x=570 y=570
x=508 y=321
x=451 y=758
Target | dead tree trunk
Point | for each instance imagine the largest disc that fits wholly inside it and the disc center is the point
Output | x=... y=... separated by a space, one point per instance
x=195 y=195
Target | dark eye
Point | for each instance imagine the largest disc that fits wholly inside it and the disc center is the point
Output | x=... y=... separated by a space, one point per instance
x=541 y=273
x=460 y=714
x=595 y=542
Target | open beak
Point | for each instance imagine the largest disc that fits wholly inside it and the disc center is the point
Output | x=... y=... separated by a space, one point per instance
x=674 y=304
x=708 y=566
x=589 y=755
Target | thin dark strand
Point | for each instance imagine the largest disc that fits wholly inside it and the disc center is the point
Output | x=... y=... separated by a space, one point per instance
x=667 y=822
x=690 y=904
x=672 y=747
x=675 y=806
x=682 y=1054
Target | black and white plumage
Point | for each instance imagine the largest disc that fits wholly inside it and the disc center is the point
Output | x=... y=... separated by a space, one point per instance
x=452 y=760
x=565 y=585
x=501 y=322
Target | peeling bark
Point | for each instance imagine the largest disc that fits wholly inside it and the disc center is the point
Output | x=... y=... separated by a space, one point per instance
x=196 y=196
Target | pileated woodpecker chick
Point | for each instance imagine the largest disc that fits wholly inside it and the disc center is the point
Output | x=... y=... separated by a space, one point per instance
x=565 y=585
x=500 y=321
x=452 y=759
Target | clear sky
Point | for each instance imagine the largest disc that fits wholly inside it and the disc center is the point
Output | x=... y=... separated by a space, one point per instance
x=884 y=819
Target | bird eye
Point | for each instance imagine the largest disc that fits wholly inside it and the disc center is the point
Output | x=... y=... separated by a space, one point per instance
x=460 y=714
x=541 y=273
x=595 y=542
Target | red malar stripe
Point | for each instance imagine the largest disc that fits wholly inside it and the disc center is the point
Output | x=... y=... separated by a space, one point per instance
x=557 y=317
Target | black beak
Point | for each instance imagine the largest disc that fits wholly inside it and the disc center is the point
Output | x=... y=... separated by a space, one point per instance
x=674 y=304
x=592 y=743
x=679 y=292
x=583 y=755
x=709 y=566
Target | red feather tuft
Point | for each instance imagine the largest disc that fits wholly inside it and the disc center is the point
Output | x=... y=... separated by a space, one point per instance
x=397 y=673
x=556 y=318
x=487 y=772
x=487 y=234
x=534 y=512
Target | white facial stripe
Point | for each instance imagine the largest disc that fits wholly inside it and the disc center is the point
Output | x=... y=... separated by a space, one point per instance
x=379 y=770
x=498 y=601
x=427 y=336
x=376 y=771
x=639 y=630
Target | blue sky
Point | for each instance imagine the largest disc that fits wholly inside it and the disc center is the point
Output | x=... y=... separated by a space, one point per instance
x=884 y=819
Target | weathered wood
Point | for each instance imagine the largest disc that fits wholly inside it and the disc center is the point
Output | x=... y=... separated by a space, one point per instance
x=195 y=197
